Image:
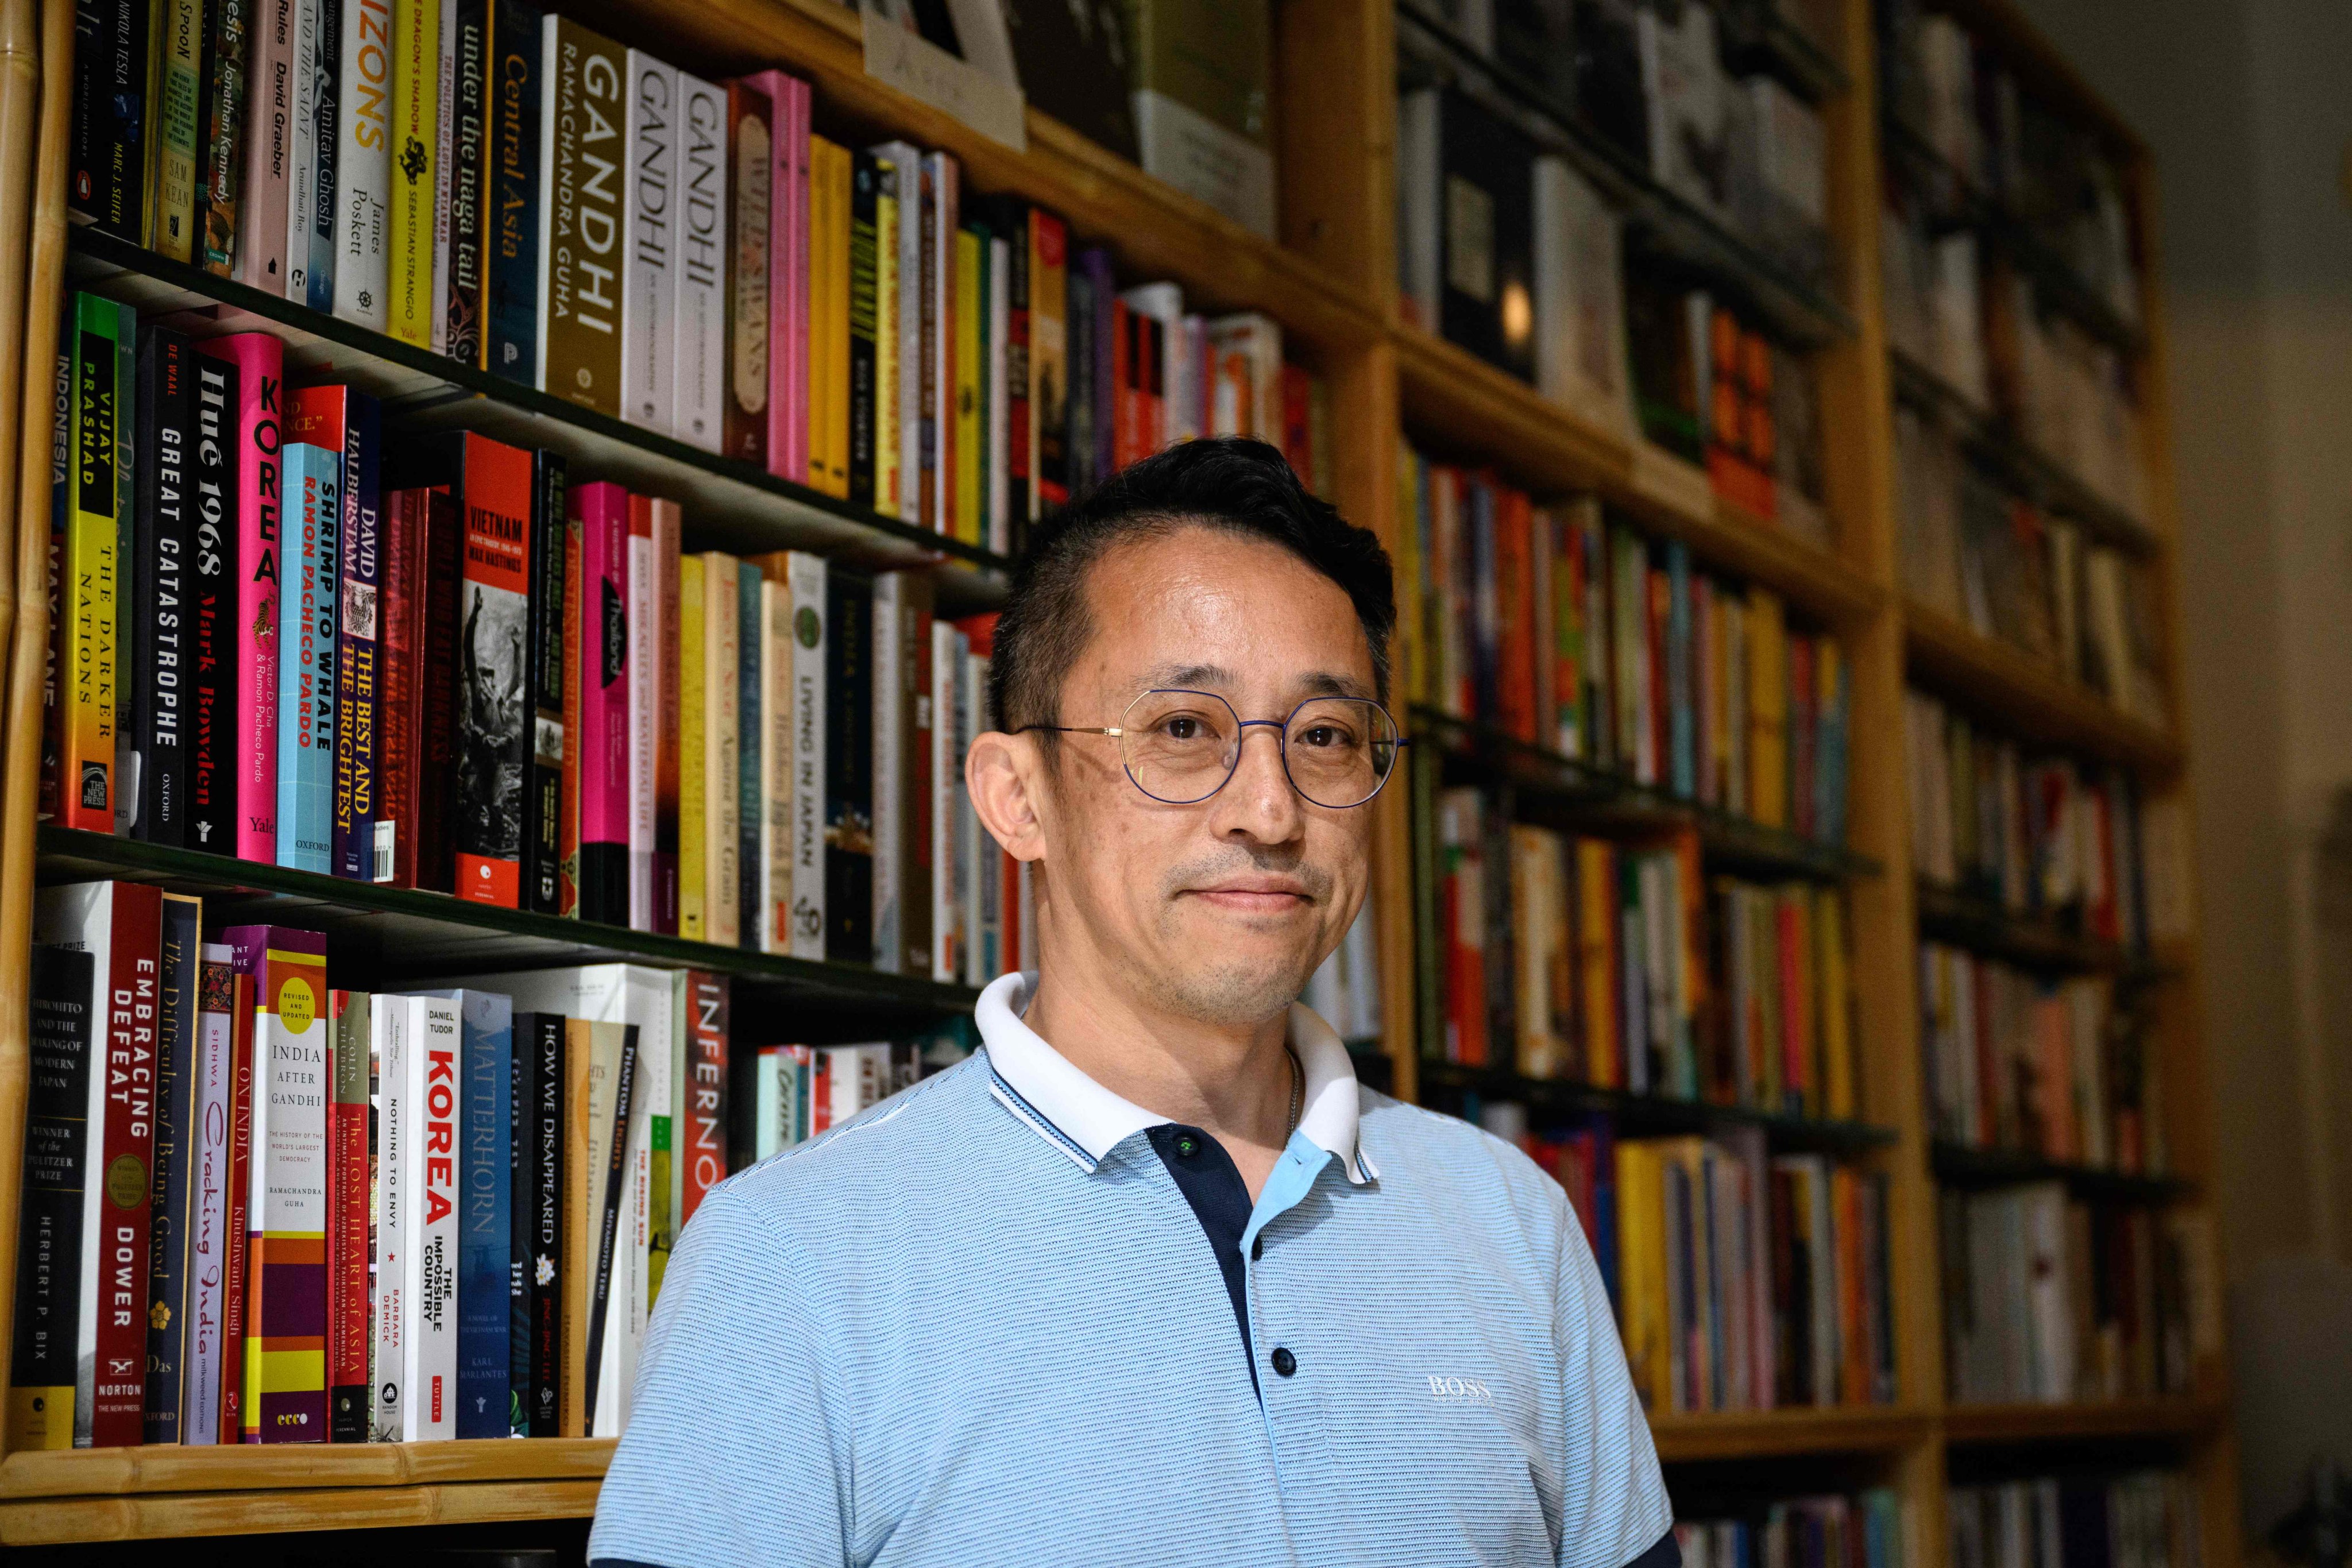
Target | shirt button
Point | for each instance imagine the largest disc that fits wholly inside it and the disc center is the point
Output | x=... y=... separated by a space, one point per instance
x=1187 y=1146
x=1285 y=1364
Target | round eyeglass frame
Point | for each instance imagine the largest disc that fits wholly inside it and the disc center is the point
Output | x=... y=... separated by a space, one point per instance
x=1281 y=728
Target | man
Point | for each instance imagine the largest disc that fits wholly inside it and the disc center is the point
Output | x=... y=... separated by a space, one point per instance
x=1150 y=1279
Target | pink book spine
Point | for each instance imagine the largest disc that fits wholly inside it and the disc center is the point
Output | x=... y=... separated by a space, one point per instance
x=260 y=362
x=788 y=275
x=605 y=609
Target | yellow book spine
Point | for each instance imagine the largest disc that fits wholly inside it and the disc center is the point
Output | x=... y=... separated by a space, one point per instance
x=970 y=524
x=886 y=346
x=1767 y=710
x=722 y=616
x=415 y=132
x=1836 y=1004
x=693 y=874
x=1641 y=1275
x=175 y=135
x=85 y=772
x=828 y=391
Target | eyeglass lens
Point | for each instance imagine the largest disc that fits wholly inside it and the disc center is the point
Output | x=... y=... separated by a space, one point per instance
x=1181 y=746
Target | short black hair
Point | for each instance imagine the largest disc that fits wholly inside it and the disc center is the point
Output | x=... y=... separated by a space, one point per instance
x=1232 y=484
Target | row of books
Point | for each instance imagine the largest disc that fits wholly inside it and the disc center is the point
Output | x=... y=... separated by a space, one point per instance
x=761 y=752
x=1866 y=1529
x=1983 y=328
x=1985 y=122
x=801 y=1091
x=846 y=318
x=1516 y=257
x=1974 y=549
x=1620 y=965
x=2037 y=834
x=2059 y=1070
x=1564 y=627
x=258 y=1207
x=1742 y=1281
x=2053 y=1300
x=2148 y=1519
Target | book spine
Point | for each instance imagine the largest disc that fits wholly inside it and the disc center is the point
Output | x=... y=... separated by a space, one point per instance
x=302 y=148
x=667 y=525
x=485 y=1224
x=603 y=510
x=86 y=637
x=130 y=563
x=306 y=700
x=849 y=767
x=917 y=719
x=117 y=1223
x=173 y=1208
x=612 y=1186
x=643 y=708
x=864 y=282
x=906 y=315
x=415 y=136
x=237 y=1228
x=572 y=636
x=269 y=142
x=1049 y=363
x=361 y=850
x=693 y=835
x=221 y=174
x=755 y=760
x=159 y=703
x=56 y=1166
x=886 y=771
x=392 y=1172
x=519 y=1177
x=751 y=149
x=493 y=648
x=392 y=855
x=551 y=537
x=581 y=135
x=828 y=334
x=347 y=1217
x=772 y=873
x=443 y=126
x=885 y=420
x=648 y=286
x=326 y=159
x=363 y=165
x=1020 y=432
x=721 y=749
x=788 y=271
x=945 y=217
x=813 y=632
x=512 y=268
x=698 y=310
x=437 y=666
x=208 y=1239
x=50 y=804
x=551 y=1151
x=946 y=963
x=702 y=1152
x=469 y=117
x=178 y=128
x=973 y=283
x=429 y=1350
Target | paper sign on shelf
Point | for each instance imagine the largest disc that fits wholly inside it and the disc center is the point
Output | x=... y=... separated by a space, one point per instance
x=897 y=57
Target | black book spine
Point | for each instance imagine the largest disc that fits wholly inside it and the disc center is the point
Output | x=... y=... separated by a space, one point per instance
x=210 y=623
x=155 y=766
x=169 y=1222
x=849 y=766
x=542 y=826
x=521 y=1065
x=545 y=1244
x=436 y=809
x=865 y=189
x=319 y=271
x=511 y=226
x=616 y=1170
x=220 y=173
x=41 y=1362
x=469 y=126
x=107 y=180
x=1079 y=406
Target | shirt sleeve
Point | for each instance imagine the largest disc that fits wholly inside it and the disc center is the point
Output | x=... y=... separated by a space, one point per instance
x=1614 y=1506
x=731 y=1455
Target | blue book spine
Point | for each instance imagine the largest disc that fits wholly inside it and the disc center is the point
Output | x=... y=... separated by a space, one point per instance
x=306 y=663
x=485 y=1217
x=319 y=281
x=510 y=248
x=358 y=651
x=751 y=804
x=1682 y=691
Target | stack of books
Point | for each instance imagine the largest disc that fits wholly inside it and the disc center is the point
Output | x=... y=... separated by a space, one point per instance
x=2019 y=1063
x=2146 y=1518
x=1566 y=628
x=1864 y=1531
x=441 y=1212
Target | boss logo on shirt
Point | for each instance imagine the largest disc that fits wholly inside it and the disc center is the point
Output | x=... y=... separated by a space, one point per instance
x=1464 y=1388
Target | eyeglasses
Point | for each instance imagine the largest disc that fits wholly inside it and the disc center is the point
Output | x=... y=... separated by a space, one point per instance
x=1181 y=747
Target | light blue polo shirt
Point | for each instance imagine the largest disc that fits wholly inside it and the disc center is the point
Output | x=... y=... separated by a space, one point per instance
x=982 y=1324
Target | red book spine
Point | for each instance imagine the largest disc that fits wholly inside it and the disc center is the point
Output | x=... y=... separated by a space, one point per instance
x=1297 y=432
x=1794 y=1047
x=494 y=731
x=126 y=1158
x=403 y=570
x=347 y=1223
x=1122 y=385
x=1515 y=592
x=240 y=1164
x=749 y=116
x=704 y=1147
x=436 y=679
x=1152 y=336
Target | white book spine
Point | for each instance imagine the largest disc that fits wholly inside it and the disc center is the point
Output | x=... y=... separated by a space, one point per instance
x=443 y=166
x=302 y=160
x=648 y=262
x=649 y=1007
x=721 y=760
x=390 y=1198
x=890 y=770
x=908 y=161
x=808 y=584
x=429 y=1362
x=363 y=161
x=776 y=867
x=548 y=58
x=1000 y=404
x=208 y=1218
x=698 y=373
x=947 y=787
x=644 y=720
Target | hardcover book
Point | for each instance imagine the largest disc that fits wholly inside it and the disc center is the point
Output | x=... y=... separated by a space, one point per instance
x=208 y=1241
x=751 y=314
x=512 y=266
x=906 y=162
x=42 y=1392
x=306 y=667
x=158 y=728
x=209 y=630
x=649 y=223
x=484 y=1225
x=179 y=128
x=756 y=757
x=788 y=301
x=86 y=632
x=643 y=717
x=849 y=766
x=812 y=696
x=550 y=541
x=268 y=149
x=220 y=175
x=602 y=595
x=467 y=117
x=699 y=385
x=362 y=205
x=259 y=361
x=350 y=1192
x=393 y=1170
x=541 y=1040
x=582 y=117
x=344 y=420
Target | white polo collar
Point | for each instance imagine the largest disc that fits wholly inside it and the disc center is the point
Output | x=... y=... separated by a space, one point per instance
x=1087 y=1121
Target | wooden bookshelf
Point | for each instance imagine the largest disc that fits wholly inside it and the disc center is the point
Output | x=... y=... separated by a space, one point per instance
x=1328 y=281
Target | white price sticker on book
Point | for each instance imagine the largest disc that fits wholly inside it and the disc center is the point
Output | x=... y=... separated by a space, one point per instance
x=990 y=105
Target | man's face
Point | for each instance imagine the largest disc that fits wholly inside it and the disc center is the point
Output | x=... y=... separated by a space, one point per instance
x=1220 y=910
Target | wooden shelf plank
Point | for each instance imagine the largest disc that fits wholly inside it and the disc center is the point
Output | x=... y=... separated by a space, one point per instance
x=2034 y=703
x=1755 y=1434
x=153 y=1516
x=2174 y=1418
x=1459 y=402
x=169 y=1468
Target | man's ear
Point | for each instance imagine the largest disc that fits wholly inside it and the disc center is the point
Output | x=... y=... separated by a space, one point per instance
x=1004 y=775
